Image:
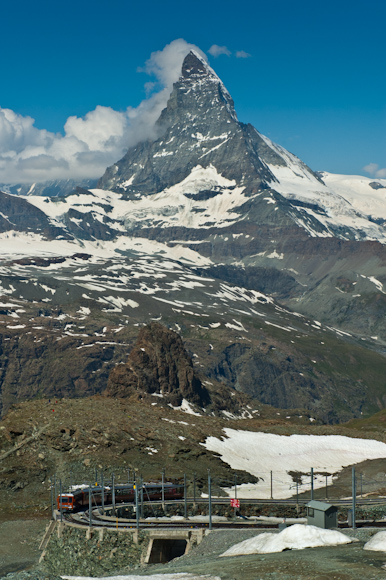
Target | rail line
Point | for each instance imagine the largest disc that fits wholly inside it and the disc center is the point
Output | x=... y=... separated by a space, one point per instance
x=82 y=518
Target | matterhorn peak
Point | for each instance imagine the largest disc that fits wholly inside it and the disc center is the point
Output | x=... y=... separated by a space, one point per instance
x=195 y=66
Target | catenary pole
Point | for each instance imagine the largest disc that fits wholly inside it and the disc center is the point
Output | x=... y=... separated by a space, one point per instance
x=89 y=505
x=185 y=499
x=52 y=499
x=354 y=498
x=103 y=493
x=61 y=500
x=235 y=508
x=141 y=497
x=136 y=506
x=312 y=483
x=113 y=491
x=210 y=499
x=163 y=489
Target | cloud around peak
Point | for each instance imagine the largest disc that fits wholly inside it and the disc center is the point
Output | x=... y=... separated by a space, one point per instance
x=88 y=144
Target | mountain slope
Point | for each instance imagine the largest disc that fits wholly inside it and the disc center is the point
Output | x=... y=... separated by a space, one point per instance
x=222 y=235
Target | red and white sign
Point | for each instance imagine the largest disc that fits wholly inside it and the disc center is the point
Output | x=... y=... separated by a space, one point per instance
x=235 y=503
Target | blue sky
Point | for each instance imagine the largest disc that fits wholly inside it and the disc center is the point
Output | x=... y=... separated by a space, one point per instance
x=314 y=81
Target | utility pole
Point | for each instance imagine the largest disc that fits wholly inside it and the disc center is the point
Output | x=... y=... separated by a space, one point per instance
x=271 y=485
x=194 y=489
x=326 y=488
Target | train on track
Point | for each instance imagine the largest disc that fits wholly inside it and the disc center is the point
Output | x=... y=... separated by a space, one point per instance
x=79 y=498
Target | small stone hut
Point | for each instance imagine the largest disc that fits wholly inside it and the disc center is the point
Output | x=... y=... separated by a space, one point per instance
x=322 y=515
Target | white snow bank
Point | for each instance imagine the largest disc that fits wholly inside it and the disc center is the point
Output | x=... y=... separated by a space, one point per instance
x=182 y=576
x=377 y=543
x=260 y=453
x=295 y=537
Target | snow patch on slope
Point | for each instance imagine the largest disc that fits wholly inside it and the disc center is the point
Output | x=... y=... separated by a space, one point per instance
x=296 y=537
x=259 y=453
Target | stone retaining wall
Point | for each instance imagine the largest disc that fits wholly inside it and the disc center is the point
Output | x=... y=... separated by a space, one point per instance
x=81 y=552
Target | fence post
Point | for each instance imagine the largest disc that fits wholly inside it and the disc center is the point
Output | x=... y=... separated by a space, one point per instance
x=326 y=488
x=194 y=490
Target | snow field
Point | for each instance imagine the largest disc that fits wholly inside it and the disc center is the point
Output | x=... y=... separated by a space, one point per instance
x=296 y=537
x=260 y=453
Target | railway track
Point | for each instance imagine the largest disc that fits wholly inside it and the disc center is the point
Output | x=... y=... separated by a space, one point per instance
x=82 y=518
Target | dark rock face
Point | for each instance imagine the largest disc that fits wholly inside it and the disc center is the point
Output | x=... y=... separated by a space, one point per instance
x=19 y=215
x=284 y=381
x=158 y=364
x=267 y=280
x=199 y=116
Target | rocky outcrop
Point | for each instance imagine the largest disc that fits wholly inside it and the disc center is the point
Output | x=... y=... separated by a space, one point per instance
x=158 y=365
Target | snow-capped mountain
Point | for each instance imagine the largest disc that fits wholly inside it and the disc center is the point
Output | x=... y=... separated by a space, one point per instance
x=220 y=233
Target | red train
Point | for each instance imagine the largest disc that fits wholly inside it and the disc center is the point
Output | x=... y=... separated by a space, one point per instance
x=123 y=494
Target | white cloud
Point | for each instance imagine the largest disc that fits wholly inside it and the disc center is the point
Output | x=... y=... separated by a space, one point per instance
x=90 y=143
x=242 y=54
x=374 y=170
x=216 y=50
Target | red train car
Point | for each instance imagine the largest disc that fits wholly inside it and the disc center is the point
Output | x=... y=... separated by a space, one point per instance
x=123 y=494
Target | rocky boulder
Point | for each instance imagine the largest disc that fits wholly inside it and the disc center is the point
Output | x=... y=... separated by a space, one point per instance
x=158 y=365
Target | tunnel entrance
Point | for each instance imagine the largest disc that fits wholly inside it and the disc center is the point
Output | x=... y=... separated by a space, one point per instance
x=164 y=550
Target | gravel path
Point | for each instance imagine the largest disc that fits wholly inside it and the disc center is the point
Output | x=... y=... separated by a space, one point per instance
x=19 y=543
x=348 y=562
